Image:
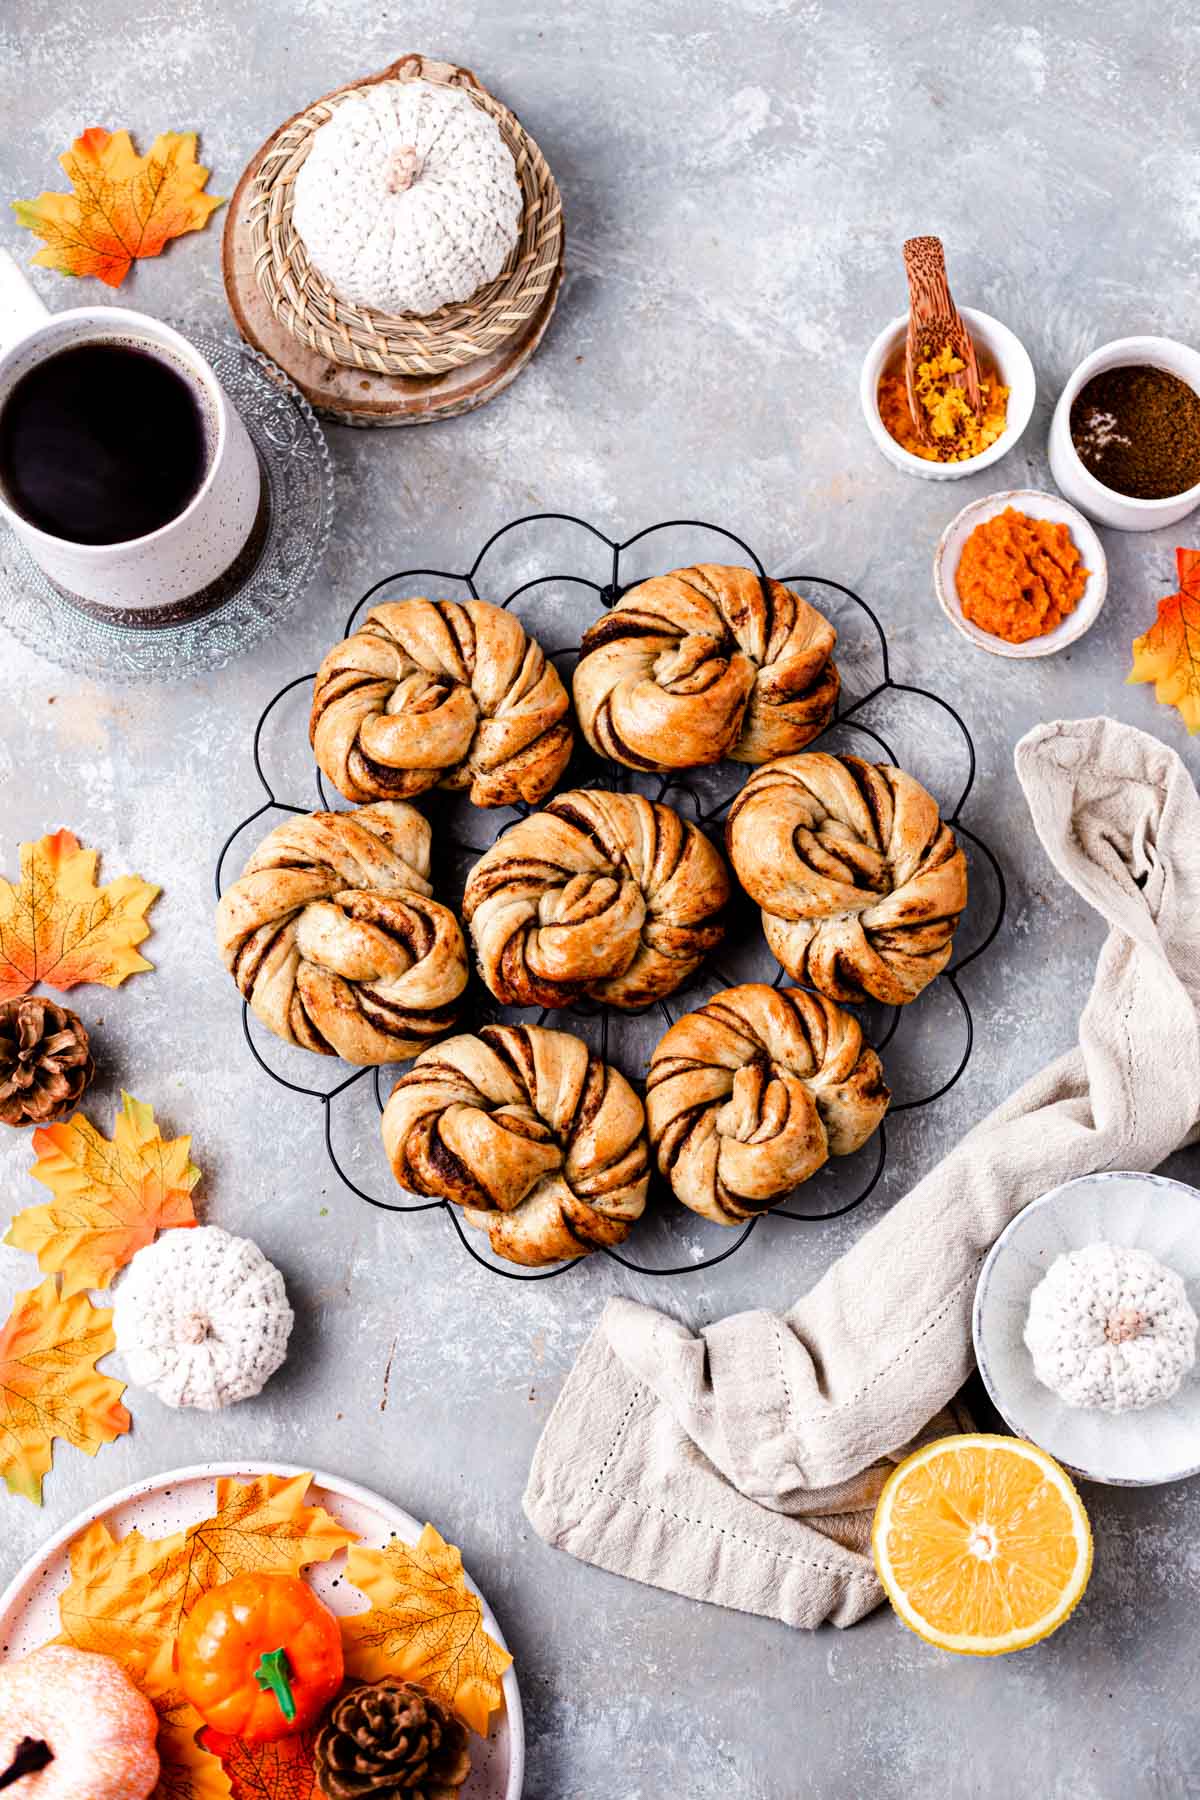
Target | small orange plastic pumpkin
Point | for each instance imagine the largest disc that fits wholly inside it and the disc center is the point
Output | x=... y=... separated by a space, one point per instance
x=260 y=1657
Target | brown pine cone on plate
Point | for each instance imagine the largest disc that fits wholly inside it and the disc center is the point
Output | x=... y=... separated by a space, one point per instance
x=705 y=663
x=751 y=1094
x=45 y=1063
x=606 y=895
x=388 y=1740
x=541 y=1143
x=440 y=694
x=860 y=881
x=333 y=937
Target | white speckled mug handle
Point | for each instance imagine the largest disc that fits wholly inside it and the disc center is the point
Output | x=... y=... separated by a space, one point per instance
x=20 y=309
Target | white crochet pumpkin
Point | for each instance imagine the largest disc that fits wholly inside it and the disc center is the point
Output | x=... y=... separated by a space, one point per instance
x=1111 y=1328
x=408 y=198
x=201 y=1318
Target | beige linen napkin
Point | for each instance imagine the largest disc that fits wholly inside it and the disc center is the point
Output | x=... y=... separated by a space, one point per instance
x=739 y=1464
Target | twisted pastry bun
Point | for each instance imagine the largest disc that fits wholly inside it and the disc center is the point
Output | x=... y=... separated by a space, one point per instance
x=860 y=882
x=332 y=937
x=702 y=664
x=606 y=895
x=750 y=1095
x=541 y=1143
x=433 y=693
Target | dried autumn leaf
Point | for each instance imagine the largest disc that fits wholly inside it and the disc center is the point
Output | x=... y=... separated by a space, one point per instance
x=110 y=1198
x=1169 y=653
x=284 y=1770
x=426 y=1625
x=188 y=1771
x=57 y=926
x=49 y=1386
x=124 y=206
x=122 y=1598
x=126 y=1597
x=260 y=1525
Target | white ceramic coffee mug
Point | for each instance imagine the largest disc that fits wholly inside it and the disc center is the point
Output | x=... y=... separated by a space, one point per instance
x=192 y=563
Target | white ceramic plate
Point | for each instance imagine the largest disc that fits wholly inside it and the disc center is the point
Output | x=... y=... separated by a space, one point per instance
x=1146 y=1212
x=1038 y=506
x=171 y=1502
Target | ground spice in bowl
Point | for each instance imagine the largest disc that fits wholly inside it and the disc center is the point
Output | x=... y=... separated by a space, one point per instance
x=1136 y=428
x=957 y=433
x=1019 y=577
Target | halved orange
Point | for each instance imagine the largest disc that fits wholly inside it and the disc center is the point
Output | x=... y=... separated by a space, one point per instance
x=982 y=1544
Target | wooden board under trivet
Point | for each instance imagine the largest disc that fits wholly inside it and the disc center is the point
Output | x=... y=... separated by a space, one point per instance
x=356 y=396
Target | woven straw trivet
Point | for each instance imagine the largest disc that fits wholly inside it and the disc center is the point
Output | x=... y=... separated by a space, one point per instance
x=385 y=343
x=350 y=396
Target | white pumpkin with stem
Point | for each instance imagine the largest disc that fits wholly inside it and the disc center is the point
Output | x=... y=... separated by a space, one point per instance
x=408 y=199
x=201 y=1318
x=1111 y=1328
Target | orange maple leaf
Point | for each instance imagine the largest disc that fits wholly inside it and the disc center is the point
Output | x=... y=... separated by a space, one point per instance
x=110 y=1198
x=1169 y=653
x=425 y=1625
x=49 y=1386
x=284 y=1770
x=125 y=1598
x=57 y=926
x=124 y=205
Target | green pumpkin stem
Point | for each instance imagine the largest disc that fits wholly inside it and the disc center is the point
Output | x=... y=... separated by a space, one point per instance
x=274 y=1675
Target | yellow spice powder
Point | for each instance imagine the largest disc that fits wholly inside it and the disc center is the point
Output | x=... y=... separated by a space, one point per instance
x=957 y=433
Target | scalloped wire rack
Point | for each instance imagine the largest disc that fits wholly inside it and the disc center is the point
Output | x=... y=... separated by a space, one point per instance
x=673 y=788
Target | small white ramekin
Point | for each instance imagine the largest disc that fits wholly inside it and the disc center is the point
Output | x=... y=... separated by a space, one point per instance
x=1078 y=483
x=1038 y=506
x=1016 y=372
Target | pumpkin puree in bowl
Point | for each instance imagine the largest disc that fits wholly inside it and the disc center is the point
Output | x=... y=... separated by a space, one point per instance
x=1019 y=577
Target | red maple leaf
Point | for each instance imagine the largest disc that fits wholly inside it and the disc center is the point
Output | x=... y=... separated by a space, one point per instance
x=284 y=1770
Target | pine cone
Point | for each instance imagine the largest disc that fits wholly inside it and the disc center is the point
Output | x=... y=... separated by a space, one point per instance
x=387 y=1740
x=44 y=1061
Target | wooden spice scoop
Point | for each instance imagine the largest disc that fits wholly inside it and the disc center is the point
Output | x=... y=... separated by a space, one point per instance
x=933 y=319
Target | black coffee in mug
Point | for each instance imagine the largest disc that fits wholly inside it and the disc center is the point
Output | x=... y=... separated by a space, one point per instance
x=101 y=443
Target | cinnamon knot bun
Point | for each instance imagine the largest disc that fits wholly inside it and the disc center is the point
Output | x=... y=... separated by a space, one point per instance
x=702 y=664
x=609 y=896
x=860 y=881
x=541 y=1143
x=332 y=935
x=436 y=693
x=748 y=1096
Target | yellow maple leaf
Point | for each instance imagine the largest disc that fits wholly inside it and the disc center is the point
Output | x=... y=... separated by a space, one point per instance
x=109 y=1198
x=261 y=1524
x=1169 y=653
x=122 y=1599
x=127 y=1597
x=424 y=1625
x=187 y=1771
x=49 y=1386
x=57 y=926
x=124 y=206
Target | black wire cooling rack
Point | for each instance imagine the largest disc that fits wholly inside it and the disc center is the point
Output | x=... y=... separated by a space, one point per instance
x=678 y=789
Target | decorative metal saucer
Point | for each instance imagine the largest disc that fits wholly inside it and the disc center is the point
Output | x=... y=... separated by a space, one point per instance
x=299 y=484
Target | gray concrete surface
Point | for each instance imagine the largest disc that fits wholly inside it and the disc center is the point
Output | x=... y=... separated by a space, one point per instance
x=737 y=182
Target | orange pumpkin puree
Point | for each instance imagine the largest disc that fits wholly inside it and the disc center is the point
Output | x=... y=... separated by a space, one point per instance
x=1019 y=577
x=957 y=433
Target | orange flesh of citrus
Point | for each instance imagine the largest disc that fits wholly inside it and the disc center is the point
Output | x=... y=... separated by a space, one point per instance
x=983 y=1545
